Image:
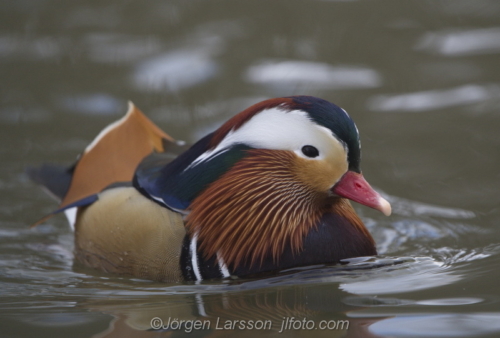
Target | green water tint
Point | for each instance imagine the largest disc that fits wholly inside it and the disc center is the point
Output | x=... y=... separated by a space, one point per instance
x=420 y=79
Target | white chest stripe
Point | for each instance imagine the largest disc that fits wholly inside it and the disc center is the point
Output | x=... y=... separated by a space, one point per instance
x=194 y=257
x=223 y=267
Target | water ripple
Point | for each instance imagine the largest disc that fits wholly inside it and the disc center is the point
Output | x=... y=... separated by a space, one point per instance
x=92 y=104
x=438 y=325
x=462 y=42
x=120 y=48
x=292 y=73
x=406 y=207
x=434 y=99
x=175 y=70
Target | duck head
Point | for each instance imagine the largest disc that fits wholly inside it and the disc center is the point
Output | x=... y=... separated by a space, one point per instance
x=264 y=179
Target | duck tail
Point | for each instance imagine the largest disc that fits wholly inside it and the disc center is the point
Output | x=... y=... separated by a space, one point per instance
x=112 y=157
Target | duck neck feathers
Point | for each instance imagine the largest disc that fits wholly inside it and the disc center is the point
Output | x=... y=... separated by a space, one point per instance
x=258 y=209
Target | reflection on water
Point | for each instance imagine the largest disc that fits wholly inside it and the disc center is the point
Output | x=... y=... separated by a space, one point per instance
x=434 y=99
x=68 y=70
x=119 y=48
x=470 y=42
x=15 y=115
x=405 y=207
x=413 y=223
x=189 y=65
x=422 y=273
x=98 y=104
x=365 y=301
x=439 y=325
x=291 y=74
x=13 y=46
x=175 y=71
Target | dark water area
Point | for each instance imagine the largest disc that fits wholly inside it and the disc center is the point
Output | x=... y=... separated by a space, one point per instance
x=420 y=78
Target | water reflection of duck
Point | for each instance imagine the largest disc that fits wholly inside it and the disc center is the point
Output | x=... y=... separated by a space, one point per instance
x=316 y=310
x=266 y=191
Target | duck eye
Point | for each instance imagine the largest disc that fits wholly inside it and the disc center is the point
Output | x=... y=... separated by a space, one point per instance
x=310 y=151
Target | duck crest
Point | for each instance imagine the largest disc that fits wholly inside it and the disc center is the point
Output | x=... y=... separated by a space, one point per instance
x=254 y=210
x=238 y=120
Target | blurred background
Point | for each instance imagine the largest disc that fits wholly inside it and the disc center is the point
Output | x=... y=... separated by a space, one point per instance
x=420 y=78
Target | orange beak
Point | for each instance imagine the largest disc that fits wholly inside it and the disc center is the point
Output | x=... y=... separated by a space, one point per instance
x=354 y=187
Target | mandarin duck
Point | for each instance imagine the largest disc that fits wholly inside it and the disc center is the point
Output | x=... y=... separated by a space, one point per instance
x=268 y=190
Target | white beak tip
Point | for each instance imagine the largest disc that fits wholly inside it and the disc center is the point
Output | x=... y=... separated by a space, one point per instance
x=385 y=207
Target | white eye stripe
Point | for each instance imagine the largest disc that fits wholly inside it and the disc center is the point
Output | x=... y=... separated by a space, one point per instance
x=278 y=129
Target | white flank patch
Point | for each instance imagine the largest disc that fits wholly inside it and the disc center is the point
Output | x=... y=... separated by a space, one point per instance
x=277 y=129
x=110 y=127
x=71 y=216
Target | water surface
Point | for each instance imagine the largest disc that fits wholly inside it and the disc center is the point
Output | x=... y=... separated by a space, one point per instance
x=420 y=78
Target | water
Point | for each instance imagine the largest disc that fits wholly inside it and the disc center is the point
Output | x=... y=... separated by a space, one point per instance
x=420 y=78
